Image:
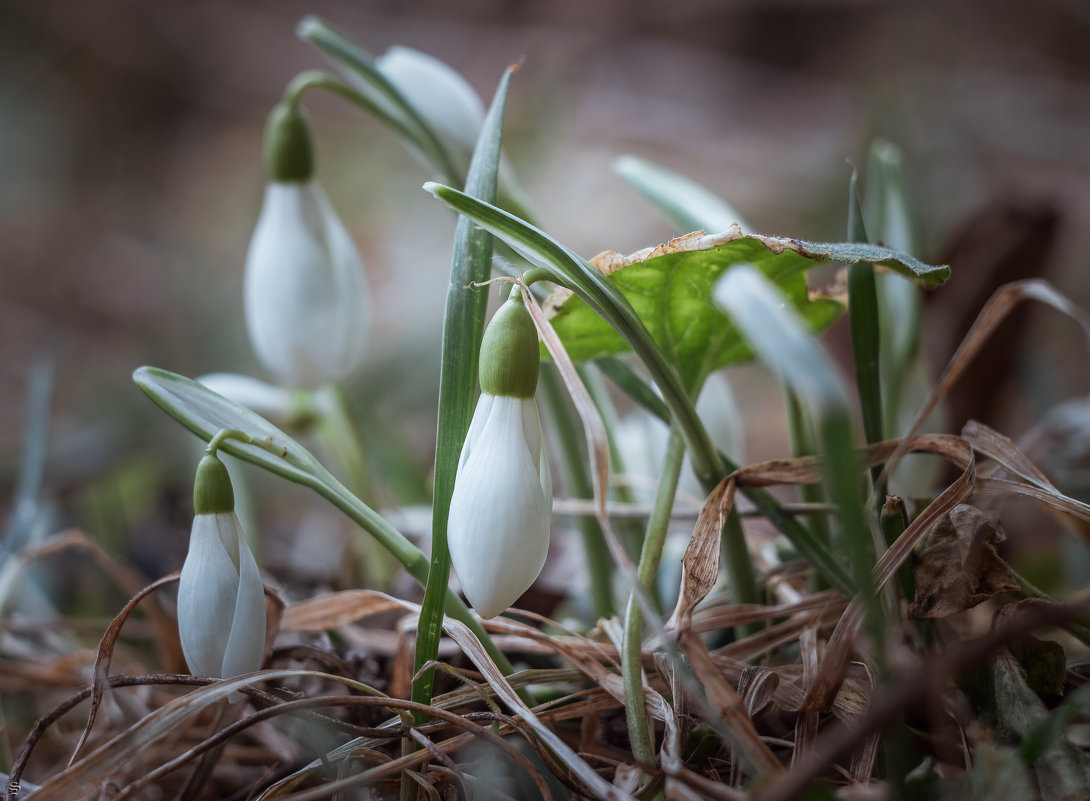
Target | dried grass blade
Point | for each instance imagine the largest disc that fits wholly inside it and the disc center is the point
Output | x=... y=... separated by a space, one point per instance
x=594 y=429
x=999 y=305
x=700 y=564
x=469 y=644
x=129 y=580
x=1004 y=452
x=806 y=727
x=122 y=748
x=105 y=656
x=743 y=734
x=838 y=652
x=335 y=610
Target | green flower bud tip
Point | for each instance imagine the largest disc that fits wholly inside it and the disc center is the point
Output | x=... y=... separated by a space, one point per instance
x=509 y=352
x=289 y=144
x=212 y=491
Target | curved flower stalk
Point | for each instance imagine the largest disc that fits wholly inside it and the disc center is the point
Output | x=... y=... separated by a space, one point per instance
x=306 y=297
x=445 y=101
x=500 y=511
x=221 y=599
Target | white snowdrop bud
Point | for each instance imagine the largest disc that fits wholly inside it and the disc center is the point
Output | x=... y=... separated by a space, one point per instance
x=306 y=298
x=221 y=599
x=500 y=511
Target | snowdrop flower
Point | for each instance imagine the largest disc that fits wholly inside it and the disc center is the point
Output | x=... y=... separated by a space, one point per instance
x=446 y=102
x=221 y=600
x=498 y=525
x=306 y=297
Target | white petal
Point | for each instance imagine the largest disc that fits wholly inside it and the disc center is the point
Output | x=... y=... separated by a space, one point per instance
x=207 y=594
x=306 y=294
x=720 y=414
x=221 y=601
x=535 y=440
x=246 y=645
x=440 y=95
x=498 y=527
x=476 y=426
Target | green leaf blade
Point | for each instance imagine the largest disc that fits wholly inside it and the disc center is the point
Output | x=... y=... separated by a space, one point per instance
x=462 y=333
x=671 y=293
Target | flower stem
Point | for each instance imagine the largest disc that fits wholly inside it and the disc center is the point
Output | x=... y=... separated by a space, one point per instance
x=631 y=658
x=344 y=439
x=404 y=121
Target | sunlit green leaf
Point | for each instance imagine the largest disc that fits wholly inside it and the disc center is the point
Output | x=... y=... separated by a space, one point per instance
x=670 y=289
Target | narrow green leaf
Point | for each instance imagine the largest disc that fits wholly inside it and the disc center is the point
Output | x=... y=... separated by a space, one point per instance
x=635 y=387
x=866 y=338
x=890 y=222
x=781 y=340
x=463 y=329
x=680 y=200
x=205 y=414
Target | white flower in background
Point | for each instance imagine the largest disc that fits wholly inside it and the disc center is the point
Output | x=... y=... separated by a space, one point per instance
x=221 y=600
x=501 y=508
x=719 y=412
x=282 y=407
x=306 y=297
x=641 y=436
x=446 y=102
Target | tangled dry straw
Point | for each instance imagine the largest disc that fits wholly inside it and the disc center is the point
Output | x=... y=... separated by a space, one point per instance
x=813 y=693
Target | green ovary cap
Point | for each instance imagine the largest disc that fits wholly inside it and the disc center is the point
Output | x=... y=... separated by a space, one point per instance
x=509 y=352
x=212 y=491
x=289 y=144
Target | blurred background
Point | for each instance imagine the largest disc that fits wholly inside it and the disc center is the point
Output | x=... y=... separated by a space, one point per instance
x=130 y=153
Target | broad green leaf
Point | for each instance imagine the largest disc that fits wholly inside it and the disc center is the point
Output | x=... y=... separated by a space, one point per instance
x=670 y=289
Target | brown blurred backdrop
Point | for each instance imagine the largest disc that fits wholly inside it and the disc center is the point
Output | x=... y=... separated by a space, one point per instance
x=129 y=145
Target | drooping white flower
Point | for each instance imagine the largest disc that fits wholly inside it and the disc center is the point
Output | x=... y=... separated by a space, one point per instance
x=306 y=298
x=221 y=600
x=307 y=304
x=498 y=528
x=446 y=102
x=501 y=507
